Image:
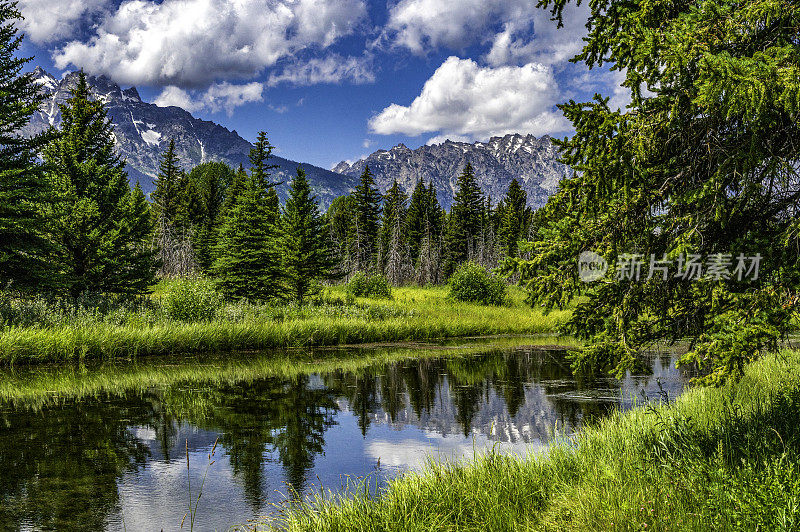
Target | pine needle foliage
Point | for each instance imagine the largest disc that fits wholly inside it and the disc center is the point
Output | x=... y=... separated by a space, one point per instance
x=24 y=189
x=305 y=249
x=102 y=228
x=703 y=161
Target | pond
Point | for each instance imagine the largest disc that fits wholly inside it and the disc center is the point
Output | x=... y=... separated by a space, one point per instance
x=105 y=448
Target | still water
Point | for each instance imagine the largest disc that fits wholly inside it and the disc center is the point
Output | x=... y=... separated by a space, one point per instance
x=106 y=448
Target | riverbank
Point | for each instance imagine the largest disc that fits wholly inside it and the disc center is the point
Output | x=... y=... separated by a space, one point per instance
x=414 y=314
x=716 y=459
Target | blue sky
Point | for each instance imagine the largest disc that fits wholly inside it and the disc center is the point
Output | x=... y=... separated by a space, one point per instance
x=331 y=79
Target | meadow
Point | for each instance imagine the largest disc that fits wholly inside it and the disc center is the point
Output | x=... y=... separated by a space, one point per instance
x=184 y=317
x=722 y=458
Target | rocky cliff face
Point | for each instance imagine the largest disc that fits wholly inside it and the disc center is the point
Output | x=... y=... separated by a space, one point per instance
x=532 y=161
x=143 y=131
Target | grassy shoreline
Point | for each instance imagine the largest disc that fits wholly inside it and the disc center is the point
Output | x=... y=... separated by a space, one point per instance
x=415 y=314
x=716 y=459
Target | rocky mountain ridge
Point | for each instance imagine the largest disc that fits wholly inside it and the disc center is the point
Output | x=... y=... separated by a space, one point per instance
x=533 y=161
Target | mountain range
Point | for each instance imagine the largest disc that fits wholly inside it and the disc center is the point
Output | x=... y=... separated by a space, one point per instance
x=143 y=131
x=533 y=161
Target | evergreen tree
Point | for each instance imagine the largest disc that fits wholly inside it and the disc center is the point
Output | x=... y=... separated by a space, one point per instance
x=339 y=220
x=248 y=263
x=97 y=224
x=304 y=241
x=514 y=218
x=394 y=213
x=366 y=219
x=259 y=160
x=704 y=164
x=172 y=201
x=24 y=189
x=416 y=217
x=208 y=186
x=233 y=192
x=167 y=201
x=465 y=220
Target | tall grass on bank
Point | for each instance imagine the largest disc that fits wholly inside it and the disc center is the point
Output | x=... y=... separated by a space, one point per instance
x=162 y=326
x=717 y=459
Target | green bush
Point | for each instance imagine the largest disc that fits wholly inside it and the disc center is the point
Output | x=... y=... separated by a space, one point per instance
x=475 y=284
x=369 y=285
x=192 y=299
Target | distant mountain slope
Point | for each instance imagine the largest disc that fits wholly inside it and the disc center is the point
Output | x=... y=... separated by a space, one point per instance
x=143 y=130
x=532 y=161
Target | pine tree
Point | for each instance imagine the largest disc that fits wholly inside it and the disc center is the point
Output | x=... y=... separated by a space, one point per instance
x=172 y=201
x=97 y=226
x=465 y=220
x=259 y=157
x=339 y=220
x=167 y=202
x=705 y=163
x=133 y=243
x=514 y=218
x=207 y=185
x=416 y=217
x=248 y=263
x=367 y=207
x=304 y=241
x=233 y=192
x=393 y=221
x=24 y=246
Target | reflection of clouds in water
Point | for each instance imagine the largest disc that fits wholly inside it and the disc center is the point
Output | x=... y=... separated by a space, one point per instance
x=412 y=453
x=156 y=497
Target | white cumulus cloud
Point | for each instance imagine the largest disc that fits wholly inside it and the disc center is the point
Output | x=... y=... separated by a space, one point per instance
x=464 y=100
x=219 y=96
x=331 y=69
x=193 y=43
x=517 y=30
x=47 y=21
x=533 y=37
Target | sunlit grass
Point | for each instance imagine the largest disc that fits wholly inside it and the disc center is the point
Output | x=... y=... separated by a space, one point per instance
x=414 y=314
x=717 y=459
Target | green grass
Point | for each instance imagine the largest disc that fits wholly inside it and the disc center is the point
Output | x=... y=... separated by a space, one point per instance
x=717 y=459
x=414 y=314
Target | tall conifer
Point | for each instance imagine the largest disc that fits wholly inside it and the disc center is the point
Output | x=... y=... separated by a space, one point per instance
x=367 y=206
x=305 y=247
x=24 y=246
x=248 y=263
x=465 y=220
x=98 y=226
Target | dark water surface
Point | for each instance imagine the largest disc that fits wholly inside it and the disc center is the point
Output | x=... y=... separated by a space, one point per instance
x=115 y=459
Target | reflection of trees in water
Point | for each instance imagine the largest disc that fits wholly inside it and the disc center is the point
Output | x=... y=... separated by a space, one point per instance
x=271 y=414
x=60 y=466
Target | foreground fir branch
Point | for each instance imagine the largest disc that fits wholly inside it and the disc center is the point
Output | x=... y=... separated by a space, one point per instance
x=704 y=161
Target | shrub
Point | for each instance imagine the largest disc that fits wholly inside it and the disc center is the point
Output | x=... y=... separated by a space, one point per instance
x=369 y=285
x=475 y=284
x=192 y=299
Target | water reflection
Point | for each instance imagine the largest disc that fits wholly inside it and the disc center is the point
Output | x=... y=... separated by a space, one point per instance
x=118 y=459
